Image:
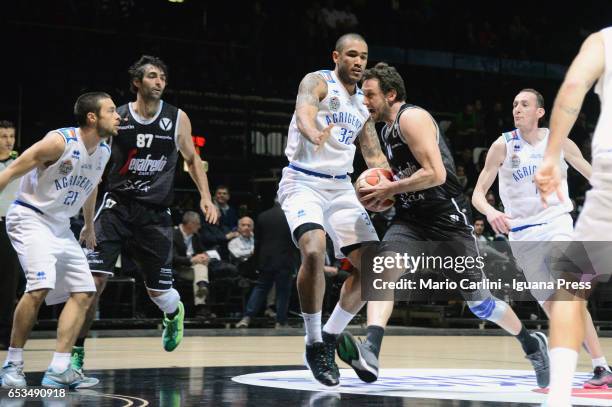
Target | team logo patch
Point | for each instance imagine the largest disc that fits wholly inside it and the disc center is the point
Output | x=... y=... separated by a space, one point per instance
x=334 y=103
x=65 y=167
x=517 y=147
x=516 y=161
x=165 y=124
x=40 y=275
x=511 y=386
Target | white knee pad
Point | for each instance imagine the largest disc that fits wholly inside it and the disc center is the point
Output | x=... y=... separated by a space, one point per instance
x=490 y=309
x=168 y=301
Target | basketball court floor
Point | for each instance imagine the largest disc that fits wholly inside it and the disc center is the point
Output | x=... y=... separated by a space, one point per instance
x=262 y=367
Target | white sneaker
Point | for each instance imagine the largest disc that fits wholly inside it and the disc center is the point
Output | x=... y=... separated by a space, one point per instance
x=12 y=375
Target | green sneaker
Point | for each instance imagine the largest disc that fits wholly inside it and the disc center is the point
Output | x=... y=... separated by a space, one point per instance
x=77 y=357
x=173 y=329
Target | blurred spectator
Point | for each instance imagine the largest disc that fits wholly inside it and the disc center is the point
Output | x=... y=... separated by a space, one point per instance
x=461 y=177
x=215 y=237
x=8 y=257
x=479 y=230
x=242 y=247
x=276 y=260
x=190 y=261
x=229 y=215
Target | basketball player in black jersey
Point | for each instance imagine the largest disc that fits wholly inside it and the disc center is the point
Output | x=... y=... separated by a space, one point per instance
x=429 y=207
x=139 y=190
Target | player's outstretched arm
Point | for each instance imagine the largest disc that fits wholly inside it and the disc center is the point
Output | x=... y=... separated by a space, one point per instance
x=588 y=65
x=495 y=158
x=312 y=90
x=370 y=147
x=44 y=152
x=195 y=168
x=574 y=157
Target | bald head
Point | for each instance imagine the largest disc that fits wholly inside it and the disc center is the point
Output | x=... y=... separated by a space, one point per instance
x=245 y=226
x=345 y=39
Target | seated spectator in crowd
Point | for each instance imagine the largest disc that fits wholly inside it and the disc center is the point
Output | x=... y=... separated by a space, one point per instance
x=229 y=215
x=461 y=177
x=277 y=259
x=216 y=237
x=190 y=261
x=242 y=247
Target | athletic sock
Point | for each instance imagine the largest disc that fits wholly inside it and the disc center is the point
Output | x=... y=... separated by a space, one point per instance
x=14 y=355
x=60 y=362
x=80 y=342
x=338 y=320
x=374 y=338
x=312 y=325
x=600 y=362
x=529 y=343
x=562 y=367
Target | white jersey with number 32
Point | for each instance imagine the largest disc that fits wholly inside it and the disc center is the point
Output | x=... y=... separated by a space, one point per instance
x=348 y=115
x=60 y=190
x=517 y=189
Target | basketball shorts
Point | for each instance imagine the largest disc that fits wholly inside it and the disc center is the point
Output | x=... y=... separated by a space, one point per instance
x=330 y=203
x=49 y=254
x=145 y=233
x=532 y=247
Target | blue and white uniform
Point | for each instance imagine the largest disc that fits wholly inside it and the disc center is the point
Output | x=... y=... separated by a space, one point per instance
x=316 y=187
x=38 y=222
x=532 y=225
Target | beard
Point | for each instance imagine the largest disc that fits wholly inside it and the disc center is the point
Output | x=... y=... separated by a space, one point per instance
x=344 y=75
x=106 y=133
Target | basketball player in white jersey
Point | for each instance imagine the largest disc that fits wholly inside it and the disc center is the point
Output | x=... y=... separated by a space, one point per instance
x=514 y=157
x=316 y=194
x=592 y=64
x=60 y=173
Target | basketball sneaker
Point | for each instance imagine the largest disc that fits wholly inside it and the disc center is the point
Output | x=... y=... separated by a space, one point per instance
x=12 y=375
x=77 y=357
x=540 y=361
x=329 y=340
x=317 y=360
x=602 y=377
x=359 y=356
x=173 y=329
x=68 y=379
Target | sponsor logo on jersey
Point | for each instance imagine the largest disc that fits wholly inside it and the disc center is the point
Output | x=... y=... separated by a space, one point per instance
x=524 y=172
x=86 y=166
x=344 y=117
x=76 y=154
x=334 y=103
x=65 y=167
x=126 y=127
x=79 y=181
x=147 y=165
x=165 y=124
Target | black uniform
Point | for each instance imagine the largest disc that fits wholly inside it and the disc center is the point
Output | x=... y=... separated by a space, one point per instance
x=435 y=214
x=139 y=189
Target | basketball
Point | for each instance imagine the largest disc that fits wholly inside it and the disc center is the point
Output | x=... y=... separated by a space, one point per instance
x=372 y=176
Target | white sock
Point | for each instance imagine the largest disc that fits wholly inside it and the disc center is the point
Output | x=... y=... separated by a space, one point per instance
x=312 y=324
x=600 y=362
x=14 y=355
x=338 y=320
x=60 y=362
x=562 y=368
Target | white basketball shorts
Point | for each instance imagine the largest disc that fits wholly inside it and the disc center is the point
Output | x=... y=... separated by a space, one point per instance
x=49 y=254
x=331 y=203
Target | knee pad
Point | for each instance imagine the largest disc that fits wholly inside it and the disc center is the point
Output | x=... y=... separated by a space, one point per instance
x=490 y=309
x=168 y=301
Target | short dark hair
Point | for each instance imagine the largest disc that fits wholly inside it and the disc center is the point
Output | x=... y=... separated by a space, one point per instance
x=88 y=103
x=6 y=124
x=222 y=187
x=136 y=71
x=341 y=42
x=191 y=217
x=537 y=94
x=388 y=79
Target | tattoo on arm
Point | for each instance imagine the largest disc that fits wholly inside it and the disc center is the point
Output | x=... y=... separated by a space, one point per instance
x=306 y=92
x=570 y=110
x=370 y=147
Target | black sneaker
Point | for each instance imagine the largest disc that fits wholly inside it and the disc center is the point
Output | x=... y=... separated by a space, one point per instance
x=359 y=356
x=602 y=377
x=317 y=361
x=329 y=340
x=540 y=361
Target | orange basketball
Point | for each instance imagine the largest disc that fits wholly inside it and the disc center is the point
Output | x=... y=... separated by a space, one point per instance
x=372 y=176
